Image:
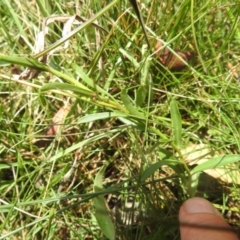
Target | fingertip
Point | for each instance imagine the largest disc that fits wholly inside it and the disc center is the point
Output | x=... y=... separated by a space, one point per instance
x=198 y=205
x=199 y=219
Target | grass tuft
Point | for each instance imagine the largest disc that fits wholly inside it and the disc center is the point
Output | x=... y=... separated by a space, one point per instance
x=108 y=100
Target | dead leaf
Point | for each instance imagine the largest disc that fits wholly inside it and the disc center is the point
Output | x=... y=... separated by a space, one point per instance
x=57 y=121
x=173 y=62
x=54 y=128
x=196 y=154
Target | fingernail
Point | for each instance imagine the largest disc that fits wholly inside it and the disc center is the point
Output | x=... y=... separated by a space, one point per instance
x=199 y=205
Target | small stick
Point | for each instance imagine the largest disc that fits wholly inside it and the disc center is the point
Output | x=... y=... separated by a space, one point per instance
x=139 y=16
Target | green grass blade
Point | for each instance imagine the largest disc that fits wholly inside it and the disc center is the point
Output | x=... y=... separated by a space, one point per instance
x=80 y=144
x=216 y=163
x=154 y=167
x=176 y=123
x=129 y=106
x=141 y=95
x=100 y=116
x=76 y=30
x=88 y=80
x=68 y=87
x=130 y=58
x=23 y=61
x=102 y=214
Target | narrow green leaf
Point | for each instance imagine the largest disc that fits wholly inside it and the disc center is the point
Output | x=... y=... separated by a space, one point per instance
x=127 y=103
x=146 y=83
x=129 y=122
x=10 y=165
x=99 y=116
x=68 y=87
x=154 y=167
x=24 y=61
x=174 y=163
x=98 y=185
x=176 y=123
x=130 y=58
x=50 y=221
x=192 y=185
x=141 y=95
x=102 y=214
x=216 y=163
x=145 y=71
x=80 y=144
x=88 y=80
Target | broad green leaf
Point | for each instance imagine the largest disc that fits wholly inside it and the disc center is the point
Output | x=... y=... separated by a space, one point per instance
x=216 y=163
x=102 y=214
x=176 y=123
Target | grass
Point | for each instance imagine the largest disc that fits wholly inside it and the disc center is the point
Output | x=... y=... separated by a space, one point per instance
x=98 y=134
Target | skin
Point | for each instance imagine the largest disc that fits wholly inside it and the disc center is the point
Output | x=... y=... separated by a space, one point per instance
x=200 y=220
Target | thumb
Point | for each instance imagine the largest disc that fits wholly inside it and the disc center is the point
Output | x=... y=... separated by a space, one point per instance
x=200 y=220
